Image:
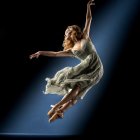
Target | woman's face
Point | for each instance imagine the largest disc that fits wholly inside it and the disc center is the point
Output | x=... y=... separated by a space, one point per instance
x=70 y=33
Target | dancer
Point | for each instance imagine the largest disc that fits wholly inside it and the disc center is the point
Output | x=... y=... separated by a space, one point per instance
x=74 y=82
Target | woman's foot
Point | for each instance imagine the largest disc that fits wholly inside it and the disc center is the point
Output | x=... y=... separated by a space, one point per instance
x=53 y=110
x=56 y=115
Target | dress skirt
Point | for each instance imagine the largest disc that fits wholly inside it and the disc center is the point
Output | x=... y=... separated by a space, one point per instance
x=86 y=74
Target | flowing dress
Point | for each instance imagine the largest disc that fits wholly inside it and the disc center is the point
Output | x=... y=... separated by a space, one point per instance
x=86 y=74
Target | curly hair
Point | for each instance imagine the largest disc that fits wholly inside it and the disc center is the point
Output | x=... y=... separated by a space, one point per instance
x=69 y=42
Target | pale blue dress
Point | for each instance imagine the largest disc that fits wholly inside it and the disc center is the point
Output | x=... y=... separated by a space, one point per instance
x=86 y=74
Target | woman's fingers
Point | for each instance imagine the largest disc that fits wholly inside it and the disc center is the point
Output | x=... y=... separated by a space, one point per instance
x=35 y=55
x=91 y=2
x=31 y=56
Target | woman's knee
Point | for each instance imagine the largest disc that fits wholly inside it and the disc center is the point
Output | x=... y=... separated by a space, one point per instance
x=77 y=88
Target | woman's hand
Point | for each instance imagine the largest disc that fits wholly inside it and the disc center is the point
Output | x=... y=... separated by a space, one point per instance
x=35 y=55
x=91 y=2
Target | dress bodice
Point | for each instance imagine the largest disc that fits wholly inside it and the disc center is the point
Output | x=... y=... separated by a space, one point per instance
x=87 y=48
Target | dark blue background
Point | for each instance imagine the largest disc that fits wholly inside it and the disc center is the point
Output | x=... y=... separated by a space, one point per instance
x=28 y=27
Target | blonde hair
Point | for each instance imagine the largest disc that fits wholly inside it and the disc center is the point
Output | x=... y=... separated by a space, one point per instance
x=68 y=42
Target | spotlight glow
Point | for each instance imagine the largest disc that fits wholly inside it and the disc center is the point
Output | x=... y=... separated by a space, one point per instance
x=107 y=34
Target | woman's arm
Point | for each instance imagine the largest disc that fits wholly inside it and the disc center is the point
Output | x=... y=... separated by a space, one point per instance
x=86 y=29
x=66 y=53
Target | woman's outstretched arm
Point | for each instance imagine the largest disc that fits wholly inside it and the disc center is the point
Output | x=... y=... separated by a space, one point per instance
x=66 y=53
x=86 y=29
